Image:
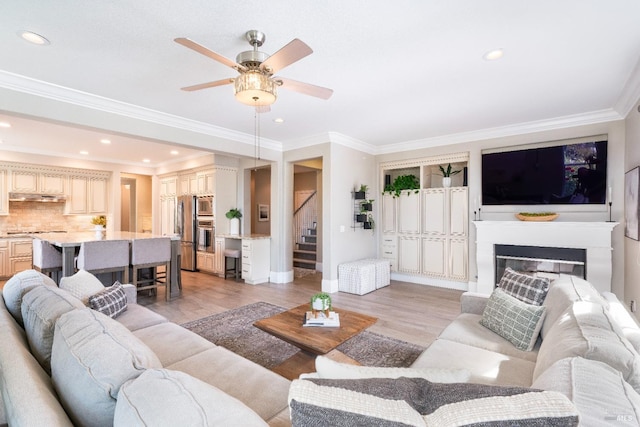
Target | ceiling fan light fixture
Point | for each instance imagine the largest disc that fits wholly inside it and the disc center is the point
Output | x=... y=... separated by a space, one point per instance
x=255 y=89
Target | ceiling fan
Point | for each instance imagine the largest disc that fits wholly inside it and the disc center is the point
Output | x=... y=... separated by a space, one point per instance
x=256 y=85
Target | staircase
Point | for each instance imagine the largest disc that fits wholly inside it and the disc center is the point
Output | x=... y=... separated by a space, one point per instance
x=304 y=256
x=304 y=234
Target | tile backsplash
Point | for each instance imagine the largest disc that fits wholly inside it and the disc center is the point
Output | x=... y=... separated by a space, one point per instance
x=42 y=216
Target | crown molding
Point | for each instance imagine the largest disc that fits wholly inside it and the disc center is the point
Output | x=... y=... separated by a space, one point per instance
x=630 y=93
x=59 y=93
x=595 y=117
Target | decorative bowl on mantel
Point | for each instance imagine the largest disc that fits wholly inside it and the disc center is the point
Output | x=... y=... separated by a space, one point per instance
x=536 y=216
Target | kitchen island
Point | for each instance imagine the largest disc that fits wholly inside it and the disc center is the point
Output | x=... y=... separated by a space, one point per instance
x=70 y=242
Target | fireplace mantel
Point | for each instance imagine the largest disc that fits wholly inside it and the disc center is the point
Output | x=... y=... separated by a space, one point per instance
x=594 y=237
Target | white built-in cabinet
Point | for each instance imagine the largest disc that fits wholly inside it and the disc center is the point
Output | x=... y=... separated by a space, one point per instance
x=87 y=195
x=37 y=182
x=425 y=233
x=4 y=194
x=4 y=258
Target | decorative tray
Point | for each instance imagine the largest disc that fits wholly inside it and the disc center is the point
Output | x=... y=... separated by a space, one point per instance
x=542 y=216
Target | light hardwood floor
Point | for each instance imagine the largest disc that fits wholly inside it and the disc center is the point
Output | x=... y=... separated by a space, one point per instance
x=406 y=311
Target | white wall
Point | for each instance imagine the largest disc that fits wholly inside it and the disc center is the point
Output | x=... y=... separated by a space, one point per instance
x=616 y=154
x=632 y=247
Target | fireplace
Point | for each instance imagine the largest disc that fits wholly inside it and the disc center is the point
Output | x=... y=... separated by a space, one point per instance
x=591 y=238
x=540 y=261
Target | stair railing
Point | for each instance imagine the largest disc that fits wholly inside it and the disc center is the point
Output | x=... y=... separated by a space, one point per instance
x=304 y=218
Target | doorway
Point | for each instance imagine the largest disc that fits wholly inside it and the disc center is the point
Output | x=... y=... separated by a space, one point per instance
x=127 y=204
x=135 y=203
x=307 y=222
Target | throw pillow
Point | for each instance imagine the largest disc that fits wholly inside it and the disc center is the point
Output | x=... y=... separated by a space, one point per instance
x=13 y=291
x=82 y=285
x=112 y=301
x=418 y=402
x=327 y=368
x=192 y=402
x=532 y=290
x=513 y=320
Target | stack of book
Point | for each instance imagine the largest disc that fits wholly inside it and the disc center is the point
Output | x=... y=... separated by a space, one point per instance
x=321 y=319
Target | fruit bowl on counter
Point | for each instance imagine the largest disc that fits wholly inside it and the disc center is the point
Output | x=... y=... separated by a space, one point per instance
x=537 y=216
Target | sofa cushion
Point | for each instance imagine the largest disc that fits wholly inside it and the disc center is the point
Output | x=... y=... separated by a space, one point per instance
x=82 y=285
x=466 y=329
x=92 y=356
x=257 y=387
x=110 y=301
x=172 y=343
x=513 y=319
x=588 y=330
x=529 y=289
x=190 y=402
x=41 y=308
x=597 y=390
x=20 y=284
x=139 y=317
x=563 y=292
x=328 y=368
x=418 y=402
x=486 y=367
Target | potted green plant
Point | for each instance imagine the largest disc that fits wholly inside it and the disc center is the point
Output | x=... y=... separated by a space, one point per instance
x=369 y=224
x=234 y=215
x=321 y=302
x=361 y=194
x=99 y=222
x=447 y=174
x=366 y=206
x=362 y=217
x=401 y=183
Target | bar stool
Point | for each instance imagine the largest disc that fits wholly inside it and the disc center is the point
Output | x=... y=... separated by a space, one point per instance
x=105 y=256
x=235 y=255
x=150 y=254
x=46 y=258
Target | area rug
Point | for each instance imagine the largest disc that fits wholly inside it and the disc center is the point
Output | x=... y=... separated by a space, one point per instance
x=234 y=330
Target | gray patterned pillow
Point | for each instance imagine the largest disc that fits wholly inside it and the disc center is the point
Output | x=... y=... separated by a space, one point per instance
x=513 y=320
x=532 y=290
x=112 y=301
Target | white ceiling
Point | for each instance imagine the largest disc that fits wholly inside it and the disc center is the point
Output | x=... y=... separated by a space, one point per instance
x=404 y=73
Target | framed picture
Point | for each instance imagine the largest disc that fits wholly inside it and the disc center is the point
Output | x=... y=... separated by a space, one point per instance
x=631 y=206
x=263 y=212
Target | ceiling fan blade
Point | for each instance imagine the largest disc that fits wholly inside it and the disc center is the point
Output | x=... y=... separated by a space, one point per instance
x=305 y=88
x=211 y=54
x=208 y=85
x=290 y=53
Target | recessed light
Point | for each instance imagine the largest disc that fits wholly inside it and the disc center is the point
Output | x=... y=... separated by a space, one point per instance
x=174 y=152
x=34 y=38
x=146 y=160
x=84 y=153
x=492 y=55
x=278 y=120
x=105 y=141
x=5 y=125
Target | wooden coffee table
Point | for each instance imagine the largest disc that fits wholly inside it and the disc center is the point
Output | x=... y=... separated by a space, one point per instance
x=312 y=341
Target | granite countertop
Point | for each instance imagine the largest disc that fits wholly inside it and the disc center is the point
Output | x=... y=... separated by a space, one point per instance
x=244 y=236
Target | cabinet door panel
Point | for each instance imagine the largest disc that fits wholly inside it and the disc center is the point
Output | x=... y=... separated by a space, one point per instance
x=458 y=259
x=389 y=209
x=459 y=215
x=77 y=203
x=4 y=202
x=97 y=203
x=434 y=212
x=409 y=213
x=52 y=183
x=434 y=257
x=24 y=181
x=409 y=255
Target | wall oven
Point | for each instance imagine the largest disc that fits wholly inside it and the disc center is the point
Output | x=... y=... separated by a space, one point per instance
x=206 y=234
x=205 y=206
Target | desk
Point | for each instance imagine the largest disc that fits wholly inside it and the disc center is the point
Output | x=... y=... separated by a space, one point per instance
x=69 y=242
x=256 y=255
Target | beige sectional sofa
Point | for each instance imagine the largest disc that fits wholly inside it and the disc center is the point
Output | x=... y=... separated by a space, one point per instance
x=62 y=363
x=586 y=349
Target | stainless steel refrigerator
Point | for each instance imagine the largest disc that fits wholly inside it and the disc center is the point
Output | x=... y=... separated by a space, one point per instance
x=186 y=227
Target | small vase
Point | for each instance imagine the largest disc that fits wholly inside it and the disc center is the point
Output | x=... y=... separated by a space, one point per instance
x=234 y=226
x=98 y=228
x=446 y=181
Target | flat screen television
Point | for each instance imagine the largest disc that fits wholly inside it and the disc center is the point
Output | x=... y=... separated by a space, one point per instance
x=560 y=175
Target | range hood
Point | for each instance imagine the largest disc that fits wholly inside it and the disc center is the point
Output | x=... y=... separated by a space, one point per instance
x=36 y=197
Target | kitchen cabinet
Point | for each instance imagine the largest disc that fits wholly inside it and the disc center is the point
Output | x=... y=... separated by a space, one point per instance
x=4 y=199
x=187 y=184
x=168 y=186
x=20 y=257
x=4 y=258
x=23 y=181
x=218 y=261
x=205 y=261
x=167 y=216
x=205 y=182
x=87 y=195
x=256 y=260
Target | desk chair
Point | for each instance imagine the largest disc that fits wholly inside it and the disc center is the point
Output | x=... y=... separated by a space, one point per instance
x=47 y=259
x=105 y=256
x=233 y=254
x=150 y=254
